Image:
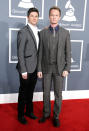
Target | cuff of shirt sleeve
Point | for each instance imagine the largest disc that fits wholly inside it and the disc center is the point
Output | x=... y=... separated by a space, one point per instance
x=24 y=73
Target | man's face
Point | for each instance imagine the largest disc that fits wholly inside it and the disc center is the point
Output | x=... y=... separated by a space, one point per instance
x=33 y=18
x=54 y=16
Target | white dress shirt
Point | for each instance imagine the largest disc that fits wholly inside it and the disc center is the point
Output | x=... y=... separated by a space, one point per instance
x=35 y=32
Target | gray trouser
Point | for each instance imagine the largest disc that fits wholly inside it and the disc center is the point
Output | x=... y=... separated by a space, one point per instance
x=58 y=85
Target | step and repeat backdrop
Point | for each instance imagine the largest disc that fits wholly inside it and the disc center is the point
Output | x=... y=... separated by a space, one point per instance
x=74 y=17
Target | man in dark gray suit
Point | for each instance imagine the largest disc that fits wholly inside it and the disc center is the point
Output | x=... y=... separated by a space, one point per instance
x=54 y=60
x=27 y=46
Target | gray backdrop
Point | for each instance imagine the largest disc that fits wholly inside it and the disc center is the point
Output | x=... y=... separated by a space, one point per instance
x=75 y=18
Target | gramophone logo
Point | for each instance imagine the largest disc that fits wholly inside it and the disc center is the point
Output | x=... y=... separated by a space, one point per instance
x=18 y=8
x=69 y=16
x=73 y=14
x=25 y=4
x=76 y=59
x=72 y=60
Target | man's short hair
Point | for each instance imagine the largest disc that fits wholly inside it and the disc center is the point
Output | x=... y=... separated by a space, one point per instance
x=32 y=10
x=55 y=8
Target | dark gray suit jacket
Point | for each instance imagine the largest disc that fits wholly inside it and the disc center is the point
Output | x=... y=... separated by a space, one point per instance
x=63 y=53
x=26 y=50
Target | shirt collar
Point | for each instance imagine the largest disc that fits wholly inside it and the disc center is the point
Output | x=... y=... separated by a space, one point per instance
x=32 y=26
x=56 y=28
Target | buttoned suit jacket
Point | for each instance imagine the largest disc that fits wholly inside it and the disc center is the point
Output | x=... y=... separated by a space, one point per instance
x=63 y=51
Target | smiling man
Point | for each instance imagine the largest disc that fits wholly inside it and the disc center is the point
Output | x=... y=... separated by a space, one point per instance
x=54 y=60
x=27 y=47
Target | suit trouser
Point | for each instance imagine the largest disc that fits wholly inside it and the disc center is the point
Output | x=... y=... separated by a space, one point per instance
x=58 y=85
x=26 y=93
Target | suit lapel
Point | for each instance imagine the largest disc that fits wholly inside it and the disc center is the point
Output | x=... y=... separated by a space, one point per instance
x=33 y=37
x=60 y=36
x=48 y=38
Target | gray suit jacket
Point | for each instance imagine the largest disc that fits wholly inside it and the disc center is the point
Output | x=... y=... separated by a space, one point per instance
x=63 y=53
x=26 y=50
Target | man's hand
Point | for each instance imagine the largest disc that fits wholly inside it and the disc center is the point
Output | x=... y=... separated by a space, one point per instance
x=65 y=73
x=39 y=74
x=24 y=76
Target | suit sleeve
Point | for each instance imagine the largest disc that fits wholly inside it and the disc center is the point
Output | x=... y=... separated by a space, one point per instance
x=67 y=53
x=21 y=41
x=40 y=53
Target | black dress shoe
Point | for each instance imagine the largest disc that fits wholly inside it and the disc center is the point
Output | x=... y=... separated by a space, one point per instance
x=43 y=119
x=22 y=120
x=56 y=122
x=31 y=115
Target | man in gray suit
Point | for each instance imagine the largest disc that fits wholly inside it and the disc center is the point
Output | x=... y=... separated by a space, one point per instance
x=54 y=60
x=27 y=46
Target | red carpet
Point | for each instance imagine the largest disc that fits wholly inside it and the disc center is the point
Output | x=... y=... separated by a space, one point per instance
x=74 y=117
